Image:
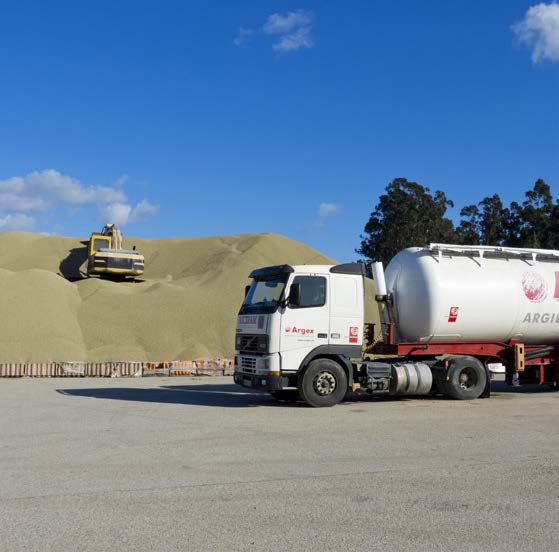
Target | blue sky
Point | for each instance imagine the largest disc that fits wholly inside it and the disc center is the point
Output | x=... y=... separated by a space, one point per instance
x=197 y=118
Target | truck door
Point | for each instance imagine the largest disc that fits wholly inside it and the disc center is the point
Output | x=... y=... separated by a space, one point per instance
x=346 y=313
x=305 y=327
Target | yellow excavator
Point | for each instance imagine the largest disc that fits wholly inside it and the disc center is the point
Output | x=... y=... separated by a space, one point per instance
x=106 y=258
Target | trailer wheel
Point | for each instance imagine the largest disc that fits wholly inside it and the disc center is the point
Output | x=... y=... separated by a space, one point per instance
x=324 y=383
x=465 y=378
x=290 y=395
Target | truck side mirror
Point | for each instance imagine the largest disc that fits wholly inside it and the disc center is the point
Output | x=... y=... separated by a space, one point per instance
x=294 y=299
x=247 y=288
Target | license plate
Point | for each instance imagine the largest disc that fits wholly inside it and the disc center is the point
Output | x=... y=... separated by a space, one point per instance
x=248 y=383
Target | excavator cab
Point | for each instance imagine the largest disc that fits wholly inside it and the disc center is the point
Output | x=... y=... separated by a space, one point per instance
x=97 y=242
x=106 y=257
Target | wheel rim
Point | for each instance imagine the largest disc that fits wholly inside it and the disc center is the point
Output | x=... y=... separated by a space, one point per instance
x=467 y=378
x=324 y=383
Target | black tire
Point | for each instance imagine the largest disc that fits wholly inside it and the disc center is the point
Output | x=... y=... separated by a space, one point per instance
x=323 y=383
x=290 y=395
x=466 y=378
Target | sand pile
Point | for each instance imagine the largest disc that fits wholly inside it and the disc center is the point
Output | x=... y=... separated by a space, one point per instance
x=184 y=308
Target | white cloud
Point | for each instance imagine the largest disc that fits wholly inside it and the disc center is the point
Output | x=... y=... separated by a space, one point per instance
x=281 y=24
x=293 y=30
x=540 y=30
x=290 y=31
x=122 y=214
x=121 y=181
x=116 y=213
x=17 y=221
x=325 y=210
x=40 y=192
x=294 y=41
x=243 y=36
x=142 y=210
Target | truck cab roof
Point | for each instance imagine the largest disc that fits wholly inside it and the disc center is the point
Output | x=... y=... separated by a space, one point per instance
x=347 y=268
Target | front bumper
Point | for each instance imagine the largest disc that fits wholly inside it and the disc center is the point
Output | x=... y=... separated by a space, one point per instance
x=262 y=373
x=260 y=382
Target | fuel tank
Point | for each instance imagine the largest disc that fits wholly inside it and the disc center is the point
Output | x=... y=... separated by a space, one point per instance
x=475 y=294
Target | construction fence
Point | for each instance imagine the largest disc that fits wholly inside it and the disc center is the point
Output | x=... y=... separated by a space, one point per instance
x=199 y=367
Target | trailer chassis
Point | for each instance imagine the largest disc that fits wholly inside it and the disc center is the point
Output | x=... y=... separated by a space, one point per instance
x=524 y=364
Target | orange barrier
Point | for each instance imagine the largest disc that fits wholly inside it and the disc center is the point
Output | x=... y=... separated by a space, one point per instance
x=199 y=367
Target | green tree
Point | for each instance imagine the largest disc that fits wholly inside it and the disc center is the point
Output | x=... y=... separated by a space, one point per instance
x=512 y=223
x=468 y=231
x=536 y=217
x=553 y=229
x=406 y=215
x=492 y=228
x=484 y=223
x=535 y=223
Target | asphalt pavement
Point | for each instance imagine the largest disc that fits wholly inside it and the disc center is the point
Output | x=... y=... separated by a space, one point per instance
x=182 y=463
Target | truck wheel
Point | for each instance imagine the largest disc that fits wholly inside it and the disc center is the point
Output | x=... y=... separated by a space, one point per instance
x=324 y=383
x=290 y=395
x=465 y=379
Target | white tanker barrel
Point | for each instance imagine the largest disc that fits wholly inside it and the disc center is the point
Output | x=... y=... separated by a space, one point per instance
x=447 y=293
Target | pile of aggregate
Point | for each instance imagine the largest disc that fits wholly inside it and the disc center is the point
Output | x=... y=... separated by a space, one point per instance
x=183 y=307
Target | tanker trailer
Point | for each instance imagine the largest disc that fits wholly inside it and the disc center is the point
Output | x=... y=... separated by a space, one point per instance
x=463 y=308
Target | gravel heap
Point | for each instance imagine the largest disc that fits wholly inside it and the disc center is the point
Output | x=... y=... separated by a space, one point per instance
x=184 y=307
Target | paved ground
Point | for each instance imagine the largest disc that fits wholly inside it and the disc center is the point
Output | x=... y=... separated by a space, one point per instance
x=199 y=464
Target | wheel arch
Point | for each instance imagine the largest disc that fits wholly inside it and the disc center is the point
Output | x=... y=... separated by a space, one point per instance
x=337 y=353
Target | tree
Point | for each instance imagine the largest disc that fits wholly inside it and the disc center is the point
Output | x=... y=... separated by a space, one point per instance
x=468 y=232
x=406 y=215
x=536 y=217
x=512 y=223
x=553 y=229
x=484 y=223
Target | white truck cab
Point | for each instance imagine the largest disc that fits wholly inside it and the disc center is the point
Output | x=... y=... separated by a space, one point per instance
x=300 y=318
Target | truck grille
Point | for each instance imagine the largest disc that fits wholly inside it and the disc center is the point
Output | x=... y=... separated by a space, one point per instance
x=252 y=343
x=248 y=364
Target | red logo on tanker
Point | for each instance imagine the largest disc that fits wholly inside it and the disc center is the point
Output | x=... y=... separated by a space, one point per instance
x=453 y=314
x=353 y=334
x=534 y=286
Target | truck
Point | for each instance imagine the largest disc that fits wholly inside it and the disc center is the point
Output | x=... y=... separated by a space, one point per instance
x=441 y=319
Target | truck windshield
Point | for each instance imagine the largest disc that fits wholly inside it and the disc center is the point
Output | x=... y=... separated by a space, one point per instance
x=264 y=295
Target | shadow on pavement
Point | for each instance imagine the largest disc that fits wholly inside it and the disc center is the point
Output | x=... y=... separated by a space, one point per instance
x=228 y=395
x=498 y=387
x=232 y=396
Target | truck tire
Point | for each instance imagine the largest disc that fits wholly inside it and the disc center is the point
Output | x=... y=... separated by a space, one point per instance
x=323 y=383
x=290 y=395
x=465 y=378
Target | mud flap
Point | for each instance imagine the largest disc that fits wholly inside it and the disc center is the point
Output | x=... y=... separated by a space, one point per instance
x=486 y=394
